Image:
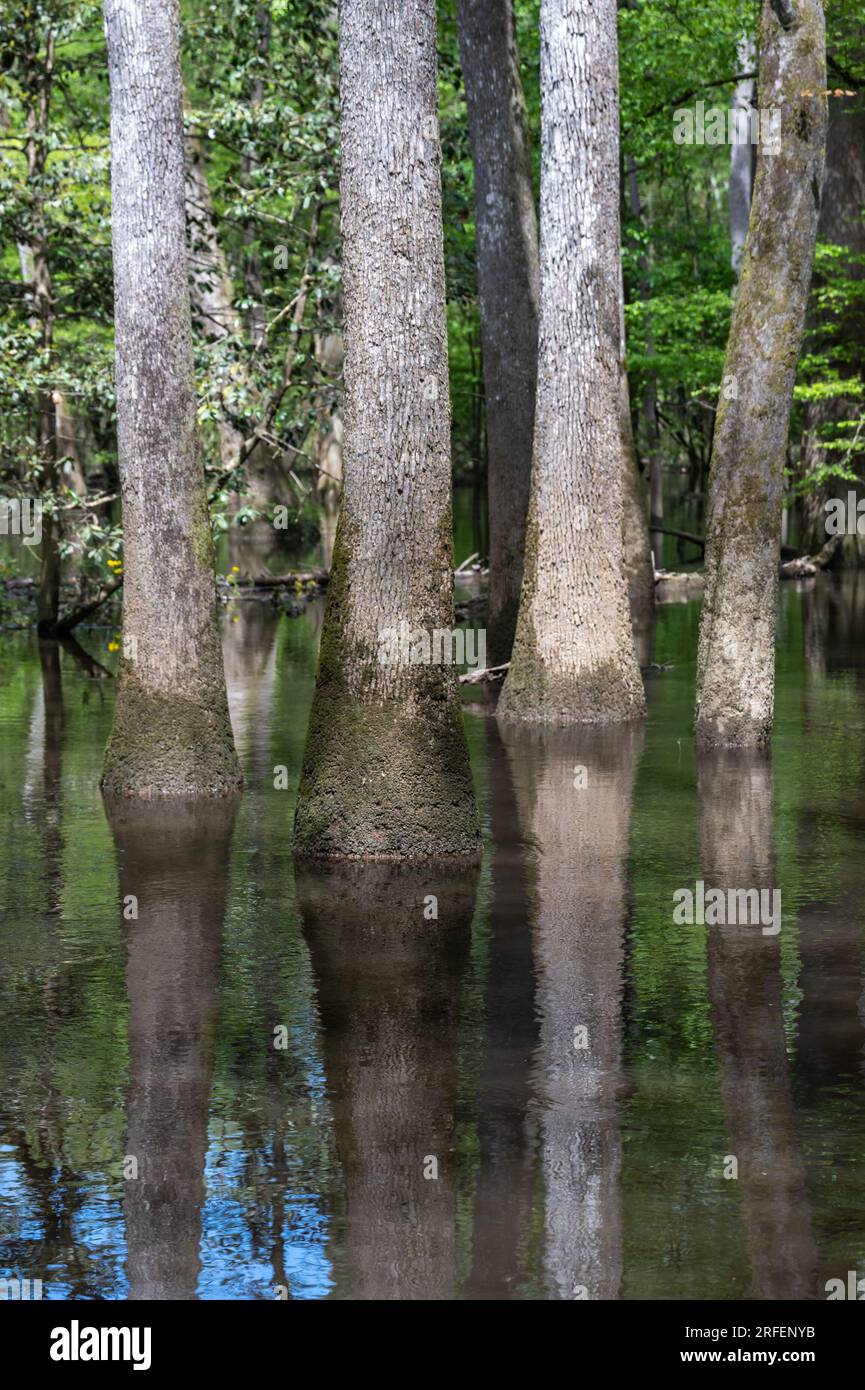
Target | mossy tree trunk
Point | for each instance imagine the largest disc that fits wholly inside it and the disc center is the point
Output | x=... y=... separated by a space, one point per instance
x=573 y=658
x=736 y=658
x=507 y=259
x=172 y=733
x=386 y=770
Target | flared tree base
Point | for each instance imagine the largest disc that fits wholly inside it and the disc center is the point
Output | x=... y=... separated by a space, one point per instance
x=165 y=746
x=607 y=694
x=386 y=782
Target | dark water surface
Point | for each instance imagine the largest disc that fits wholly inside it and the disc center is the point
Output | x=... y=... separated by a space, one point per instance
x=327 y=1093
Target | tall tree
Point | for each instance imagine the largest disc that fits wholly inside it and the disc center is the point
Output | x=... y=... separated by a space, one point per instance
x=573 y=657
x=742 y=152
x=172 y=733
x=507 y=258
x=386 y=768
x=735 y=664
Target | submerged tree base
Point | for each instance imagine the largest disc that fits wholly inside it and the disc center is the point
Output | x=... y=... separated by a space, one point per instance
x=386 y=782
x=732 y=730
x=166 y=746
x=608 y=694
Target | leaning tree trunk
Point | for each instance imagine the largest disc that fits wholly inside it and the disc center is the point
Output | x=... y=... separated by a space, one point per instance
x=386 y=770
x=735 y=664
x=172 y=733
x=573 y=657
x=507 y=255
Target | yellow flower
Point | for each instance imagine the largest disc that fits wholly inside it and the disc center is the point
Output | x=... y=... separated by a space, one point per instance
x=235 y=569
x=114 y=646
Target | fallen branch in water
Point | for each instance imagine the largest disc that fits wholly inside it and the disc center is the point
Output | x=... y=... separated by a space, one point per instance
x=489 y=673
x=70 y=620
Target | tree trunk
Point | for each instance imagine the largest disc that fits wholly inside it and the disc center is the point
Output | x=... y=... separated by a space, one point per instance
x=573 y=657
x=742 y=155
x=507 y=258
x=172 y=733
x=636 y=549
x=386 y=770
x=36 y=275
x=735 y=664
x=649 y=406
x=841 y=224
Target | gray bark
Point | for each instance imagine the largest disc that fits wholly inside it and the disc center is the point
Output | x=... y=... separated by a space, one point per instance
x=735 y=665
x=636 y=548
x=573 y=658
x=742 y=156
x=386 y=770
x=172 y=733
x=507 y=258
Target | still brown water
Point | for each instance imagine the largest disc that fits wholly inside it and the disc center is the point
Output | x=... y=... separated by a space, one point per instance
x=223 y=1078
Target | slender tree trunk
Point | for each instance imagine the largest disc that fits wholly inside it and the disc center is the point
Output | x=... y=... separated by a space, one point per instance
x=573 y=657
x=507 y=256
x=36 y=274
x=841 y=223
x=649 y=406
x=636 y=549
x=742 y=155
x=172 y=733
x=735 y=665
x=211 y=292
x=386 y=770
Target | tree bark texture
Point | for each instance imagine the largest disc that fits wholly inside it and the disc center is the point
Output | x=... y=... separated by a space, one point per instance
x=506 y=233
x=573 y=657
x=386 y=770
x=736 y=657
x=172 y=733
